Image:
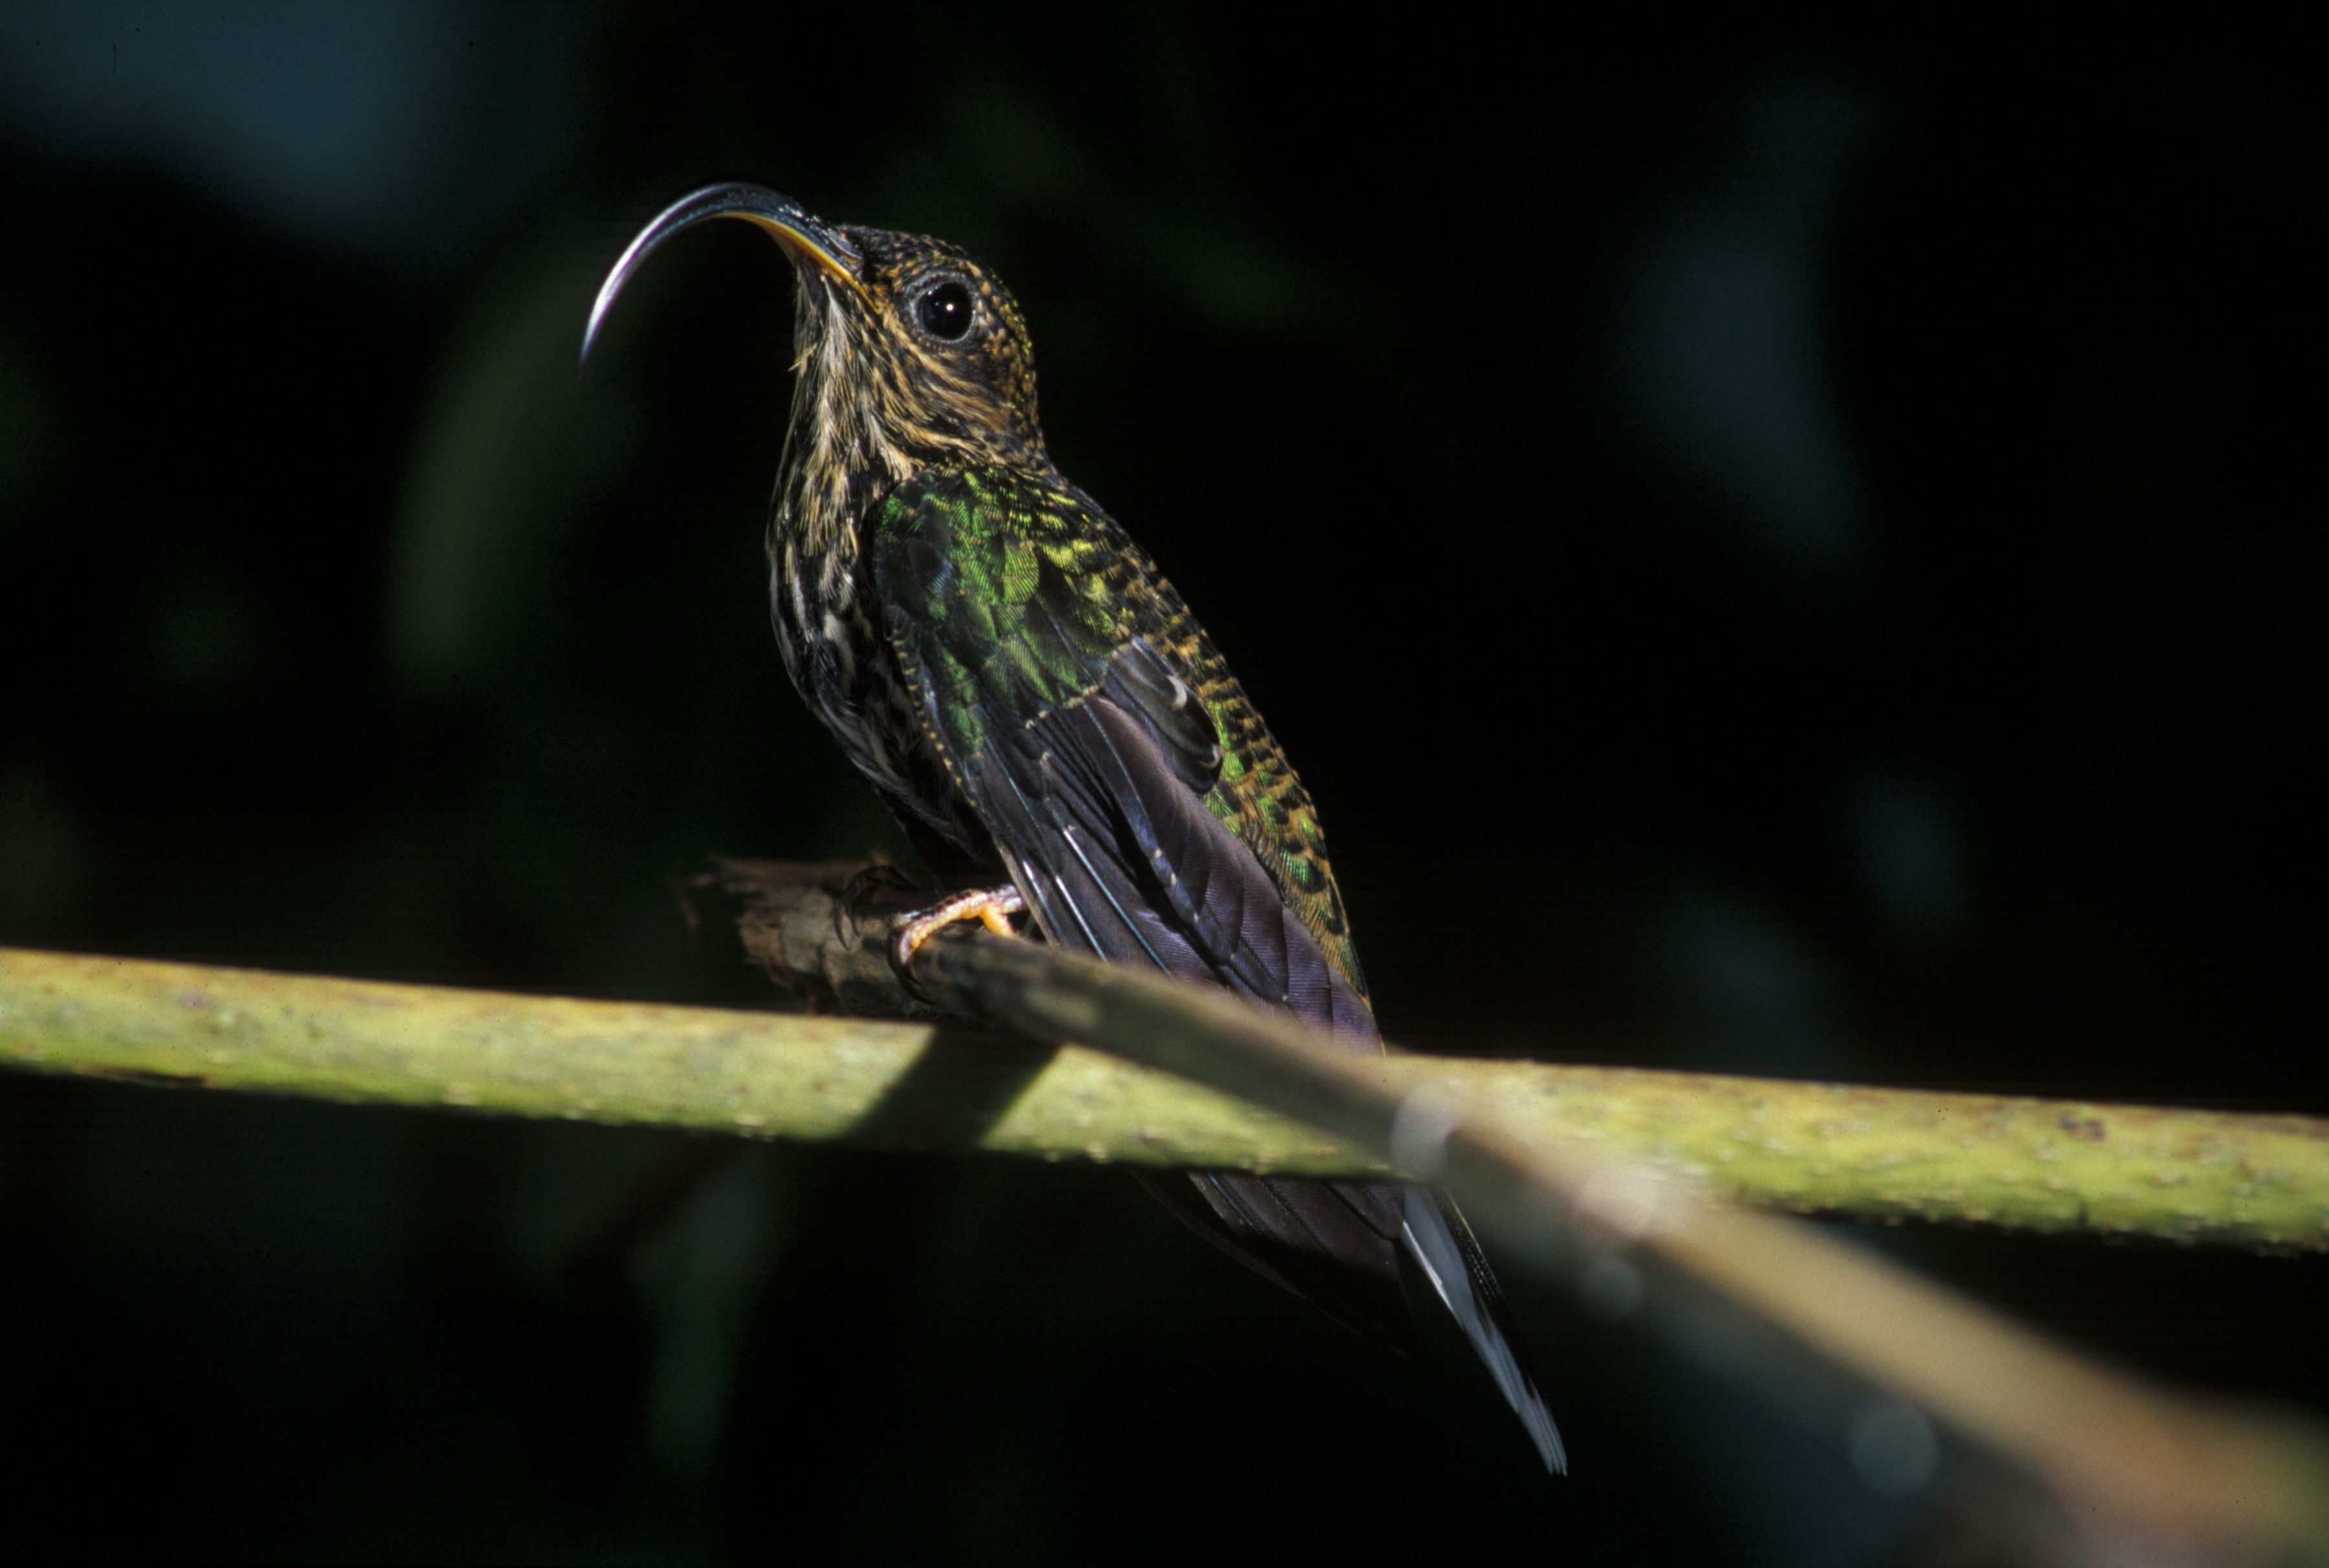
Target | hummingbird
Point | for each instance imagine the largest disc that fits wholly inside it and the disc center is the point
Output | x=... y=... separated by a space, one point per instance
x=1056 y=734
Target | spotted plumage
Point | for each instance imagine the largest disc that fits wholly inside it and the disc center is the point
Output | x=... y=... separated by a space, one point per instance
x=1035 y=702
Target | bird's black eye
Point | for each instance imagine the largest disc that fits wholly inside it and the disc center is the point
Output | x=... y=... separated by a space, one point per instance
x=945 y=310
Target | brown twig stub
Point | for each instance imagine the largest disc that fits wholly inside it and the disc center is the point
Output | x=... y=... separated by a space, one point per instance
x=822 y=930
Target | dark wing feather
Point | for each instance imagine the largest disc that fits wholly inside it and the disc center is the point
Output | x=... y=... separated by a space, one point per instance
x=1117 y=793
x=1089 y=758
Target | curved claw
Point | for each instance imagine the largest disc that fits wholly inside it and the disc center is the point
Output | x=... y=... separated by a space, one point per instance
x=809 y=242
x=869 y=887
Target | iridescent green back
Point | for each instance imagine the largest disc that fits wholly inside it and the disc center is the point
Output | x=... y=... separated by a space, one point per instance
x=1054 y=588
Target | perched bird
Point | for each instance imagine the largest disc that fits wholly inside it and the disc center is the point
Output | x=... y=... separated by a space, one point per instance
x=1051 y=727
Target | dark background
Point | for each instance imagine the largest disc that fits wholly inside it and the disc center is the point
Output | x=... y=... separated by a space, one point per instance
x=1789 y=560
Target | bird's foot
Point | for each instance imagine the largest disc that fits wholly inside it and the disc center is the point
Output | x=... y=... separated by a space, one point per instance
x=992 y=907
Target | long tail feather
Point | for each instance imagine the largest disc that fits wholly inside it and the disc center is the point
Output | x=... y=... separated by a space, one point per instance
x=1436 y=1236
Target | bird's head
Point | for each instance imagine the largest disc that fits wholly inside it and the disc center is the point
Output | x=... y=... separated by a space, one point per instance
x=910 y=354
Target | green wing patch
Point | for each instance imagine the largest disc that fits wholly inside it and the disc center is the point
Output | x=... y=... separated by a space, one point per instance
x=1011 y=593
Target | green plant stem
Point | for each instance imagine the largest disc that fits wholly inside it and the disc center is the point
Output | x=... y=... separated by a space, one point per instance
x=2032 y=1165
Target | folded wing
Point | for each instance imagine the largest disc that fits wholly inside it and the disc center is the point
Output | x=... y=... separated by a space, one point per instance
x=1013 y=609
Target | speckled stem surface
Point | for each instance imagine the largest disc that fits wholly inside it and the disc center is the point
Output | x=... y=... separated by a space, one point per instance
x=2048 y=1165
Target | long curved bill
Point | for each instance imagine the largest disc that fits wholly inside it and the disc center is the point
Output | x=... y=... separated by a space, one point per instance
x=809 y=242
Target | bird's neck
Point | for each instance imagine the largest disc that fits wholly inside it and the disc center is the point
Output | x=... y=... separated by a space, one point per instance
x=837 y=470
